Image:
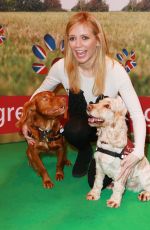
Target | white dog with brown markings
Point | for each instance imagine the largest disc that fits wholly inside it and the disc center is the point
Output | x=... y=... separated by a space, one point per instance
x=109 y=116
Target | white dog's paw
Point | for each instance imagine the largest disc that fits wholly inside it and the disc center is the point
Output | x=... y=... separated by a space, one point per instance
x=144 y=196
x=112 y=204
x=92 y=196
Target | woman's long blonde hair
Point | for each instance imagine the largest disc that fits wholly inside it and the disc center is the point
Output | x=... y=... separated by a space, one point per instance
x=71 y=64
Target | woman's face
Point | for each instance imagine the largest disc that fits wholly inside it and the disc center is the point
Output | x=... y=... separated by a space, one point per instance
x=83 y=43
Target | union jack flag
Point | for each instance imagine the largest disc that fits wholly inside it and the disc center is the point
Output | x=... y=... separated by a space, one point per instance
x=39 y=52
x=61 y=46
x=2 y=38
x=50 y=42
x=119 y=56
x=1 y=29
x=130 y=64
x=132 y=54
x=39 y=68
x=125 y=52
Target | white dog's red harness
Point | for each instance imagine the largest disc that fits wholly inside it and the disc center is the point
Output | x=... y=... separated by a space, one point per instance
x=127 y=150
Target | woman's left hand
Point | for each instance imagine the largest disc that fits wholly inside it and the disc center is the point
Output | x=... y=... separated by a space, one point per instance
x=126 y=167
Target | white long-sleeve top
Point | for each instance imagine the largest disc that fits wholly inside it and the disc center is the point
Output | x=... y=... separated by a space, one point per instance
x=117 y=81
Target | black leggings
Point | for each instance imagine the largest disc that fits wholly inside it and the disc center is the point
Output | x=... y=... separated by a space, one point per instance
x=79 y=134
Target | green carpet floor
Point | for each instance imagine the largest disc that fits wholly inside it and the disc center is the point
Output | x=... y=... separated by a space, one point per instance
x=26 y=205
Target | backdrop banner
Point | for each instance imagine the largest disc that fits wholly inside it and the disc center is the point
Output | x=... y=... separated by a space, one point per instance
x=145 y=103
x=10 y=111
x=11 y=108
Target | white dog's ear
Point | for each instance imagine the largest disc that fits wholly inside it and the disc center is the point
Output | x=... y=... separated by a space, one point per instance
x=120 y=105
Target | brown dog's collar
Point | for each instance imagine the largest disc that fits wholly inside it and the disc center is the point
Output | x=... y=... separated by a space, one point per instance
x=44 y=134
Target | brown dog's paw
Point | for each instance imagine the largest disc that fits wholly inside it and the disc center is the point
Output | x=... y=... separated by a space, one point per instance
x=144 y=196
x=59 y=176
x=48 y=184
x=67 y=162
x=29 y=164
x=112 y=204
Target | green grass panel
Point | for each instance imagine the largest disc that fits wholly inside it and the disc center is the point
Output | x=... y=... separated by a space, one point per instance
x=26 y=205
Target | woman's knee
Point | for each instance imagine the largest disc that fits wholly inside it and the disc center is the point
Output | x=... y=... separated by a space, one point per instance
x=77 y=130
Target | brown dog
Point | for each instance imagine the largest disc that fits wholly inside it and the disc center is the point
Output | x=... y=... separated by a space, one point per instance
x=41 y=115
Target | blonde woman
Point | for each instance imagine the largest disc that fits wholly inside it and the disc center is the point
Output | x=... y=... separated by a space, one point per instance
x=86 y=72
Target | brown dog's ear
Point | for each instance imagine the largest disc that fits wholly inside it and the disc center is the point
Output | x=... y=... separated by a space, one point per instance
x=28 y=108
x=66 y=113
x=66 y=109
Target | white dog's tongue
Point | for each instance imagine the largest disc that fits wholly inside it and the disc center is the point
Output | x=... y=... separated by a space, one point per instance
x=94 y=119
x=91 y=119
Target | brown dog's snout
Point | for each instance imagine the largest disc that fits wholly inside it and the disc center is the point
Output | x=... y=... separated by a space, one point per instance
x=89 y=107
x=62 y=102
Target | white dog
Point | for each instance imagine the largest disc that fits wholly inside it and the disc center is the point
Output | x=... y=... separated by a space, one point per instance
x=108 y=116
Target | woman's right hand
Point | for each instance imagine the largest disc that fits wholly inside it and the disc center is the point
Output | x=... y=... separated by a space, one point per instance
x=26 y=132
